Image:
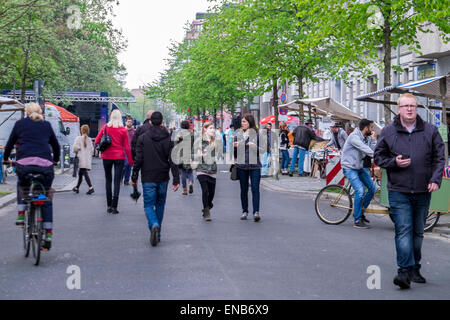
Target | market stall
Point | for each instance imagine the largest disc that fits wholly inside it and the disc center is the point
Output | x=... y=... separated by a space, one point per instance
x=65 y=125
x=436 y=88
x=322 y=163
x=11 y=110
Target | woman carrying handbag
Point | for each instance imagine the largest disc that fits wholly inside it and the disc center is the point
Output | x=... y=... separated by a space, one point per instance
x=247 y=154
x=84 y=149
x=114 y=156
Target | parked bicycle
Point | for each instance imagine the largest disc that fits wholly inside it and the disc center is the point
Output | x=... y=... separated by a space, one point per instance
x=334 y=204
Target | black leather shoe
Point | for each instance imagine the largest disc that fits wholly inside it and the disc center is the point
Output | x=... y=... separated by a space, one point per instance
x=91 y=191
x=415 y=276
x=154 y=236
x=76 y=190
x=402 y=279
x=110 y=210
x=115 y=211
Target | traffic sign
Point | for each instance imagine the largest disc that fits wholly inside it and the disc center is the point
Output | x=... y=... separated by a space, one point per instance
x=283 y=111
x=283 y=97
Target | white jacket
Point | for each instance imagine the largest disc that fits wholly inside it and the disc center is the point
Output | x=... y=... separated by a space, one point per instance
x=83 y=153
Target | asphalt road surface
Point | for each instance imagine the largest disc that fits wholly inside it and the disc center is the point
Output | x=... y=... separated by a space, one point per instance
x=289 y=254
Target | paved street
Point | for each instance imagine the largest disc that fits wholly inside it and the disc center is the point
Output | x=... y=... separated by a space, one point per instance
x=290 y=254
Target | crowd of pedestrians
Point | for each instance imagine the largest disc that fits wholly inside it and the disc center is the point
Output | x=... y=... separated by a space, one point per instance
x=410 y=149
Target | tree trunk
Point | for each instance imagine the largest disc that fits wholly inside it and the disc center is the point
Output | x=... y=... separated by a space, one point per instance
x=221 y=117
x=215 y=118
x=275 y=101
x=24 y=76
x=387 y=64
x=300 y=96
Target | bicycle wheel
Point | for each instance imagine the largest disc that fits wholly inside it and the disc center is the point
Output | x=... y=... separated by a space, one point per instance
x=37 y=233
x=431 y=221
x=27 y=233
x=333 y=204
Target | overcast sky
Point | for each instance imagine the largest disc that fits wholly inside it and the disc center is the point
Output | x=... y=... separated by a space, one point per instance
x=149 y=26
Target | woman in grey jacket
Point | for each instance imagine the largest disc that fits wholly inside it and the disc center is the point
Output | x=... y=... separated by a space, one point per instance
x=207 y=168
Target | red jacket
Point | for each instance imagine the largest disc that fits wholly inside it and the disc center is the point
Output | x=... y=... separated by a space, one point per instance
x=119 y=145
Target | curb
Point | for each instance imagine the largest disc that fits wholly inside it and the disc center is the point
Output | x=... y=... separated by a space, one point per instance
x=7 y=200
x=442 y=230
x=269 y=186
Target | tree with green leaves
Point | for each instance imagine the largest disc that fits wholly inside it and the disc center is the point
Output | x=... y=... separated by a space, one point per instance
x=41 y=41
x=361 y=28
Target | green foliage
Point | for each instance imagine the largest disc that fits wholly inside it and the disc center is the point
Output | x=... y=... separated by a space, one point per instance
x=37 y=43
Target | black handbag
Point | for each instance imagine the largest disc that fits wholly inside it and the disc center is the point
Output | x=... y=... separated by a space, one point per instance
x=234 y=175
x=105 y=142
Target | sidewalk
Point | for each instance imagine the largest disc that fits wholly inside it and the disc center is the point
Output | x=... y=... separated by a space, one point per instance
x=307 y=185
x=295 y=184
x=63 y=179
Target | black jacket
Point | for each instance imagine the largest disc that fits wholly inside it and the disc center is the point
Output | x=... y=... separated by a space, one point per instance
x=153 y=157
x=303 y=136
x=426 y=149
x=139 y=131
x=181 y=137
x=284 y=140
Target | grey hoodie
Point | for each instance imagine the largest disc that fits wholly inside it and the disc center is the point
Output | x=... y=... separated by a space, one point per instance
x=355 y=149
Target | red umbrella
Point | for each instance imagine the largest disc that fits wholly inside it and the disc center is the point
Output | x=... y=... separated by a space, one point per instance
x=271 y=119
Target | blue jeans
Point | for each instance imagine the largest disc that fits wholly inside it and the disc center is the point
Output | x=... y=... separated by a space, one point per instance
x=284 y=159
x=360 y=179
x=265 y=164
x=155 y=194
x=186 y=174
x=409 y=212
x=255 y=178
x=300 y=153
x=126 y=173
x=22 y=182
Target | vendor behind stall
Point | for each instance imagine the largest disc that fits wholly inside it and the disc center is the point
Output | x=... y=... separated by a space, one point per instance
x=338 y=136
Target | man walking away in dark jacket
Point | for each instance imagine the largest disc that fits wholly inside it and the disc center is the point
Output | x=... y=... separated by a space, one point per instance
x=140 y=131
x=412 y=152
x=303 y=135
x=153 y=159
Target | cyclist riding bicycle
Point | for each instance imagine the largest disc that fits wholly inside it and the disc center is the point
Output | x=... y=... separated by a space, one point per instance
x=33 y=137
x=360 y=143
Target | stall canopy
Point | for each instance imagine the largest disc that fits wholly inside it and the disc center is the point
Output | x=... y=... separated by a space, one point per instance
x=324 y=106
x=65 y=115
x=429 y=88
x=271 y=119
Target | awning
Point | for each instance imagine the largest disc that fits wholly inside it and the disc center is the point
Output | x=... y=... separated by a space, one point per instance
x=8 y=101
x=65 y=115
x=429 y=88
x=325 y=106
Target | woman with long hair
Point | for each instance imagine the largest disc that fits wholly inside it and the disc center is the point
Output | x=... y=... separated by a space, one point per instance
x=284 y=147
x=84 y=149
x=247 y=154
x=33 y=137
x=207 y=168
x=114 y=156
